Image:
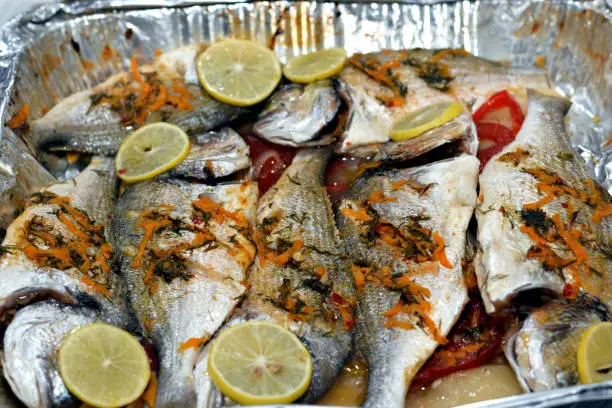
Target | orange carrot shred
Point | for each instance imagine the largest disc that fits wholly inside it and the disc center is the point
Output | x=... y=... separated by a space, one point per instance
x=97 y=287
x=439 y=252
x=397 y=308
x=193 y=342
x=150 y=394
x=20 y=117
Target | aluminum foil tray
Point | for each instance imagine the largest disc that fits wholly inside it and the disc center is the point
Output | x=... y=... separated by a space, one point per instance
x=58 y=49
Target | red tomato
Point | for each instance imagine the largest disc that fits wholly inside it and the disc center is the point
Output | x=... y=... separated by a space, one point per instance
x=493 y=137
x=475 y=340
x=151 y=353
x=269 y=161
x=340 y=174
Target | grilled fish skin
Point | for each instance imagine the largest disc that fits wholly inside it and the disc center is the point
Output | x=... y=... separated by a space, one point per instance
x=369 y=121
x=86 y=121
x=296 y=115
x=389 y=221
x=191 y=269
x=20 y=176
x=57 y=249
x=305 y=287
x=520 y=224
x=214 y=154
x=543 y=350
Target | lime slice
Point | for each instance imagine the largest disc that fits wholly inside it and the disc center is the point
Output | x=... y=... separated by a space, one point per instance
x=239 y=72
x=422 y=120
x=595 y=354
x=259 y=362
x=150 y=151
x=104 y=366
x=316 y=65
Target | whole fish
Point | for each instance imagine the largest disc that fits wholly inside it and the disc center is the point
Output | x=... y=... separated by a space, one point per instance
x=405 y=233
x=543 y=224
x=300 y=279
x=543 y=350
x=97 y=120
x=185 y=252
x=214 y=154
x=20 y=176
x=380 y=90
x=57 y=253
x=298 y=115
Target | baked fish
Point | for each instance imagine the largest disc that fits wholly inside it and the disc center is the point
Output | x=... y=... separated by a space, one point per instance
x=405 y=233
x=298 y=115
x=301 y=278
x=185 y=252
x=56 y=274
x=97 y=120
x=543 y=224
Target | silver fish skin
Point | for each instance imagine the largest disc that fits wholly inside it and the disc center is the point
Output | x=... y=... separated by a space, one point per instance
x=77 y=124
x=507 y=263
x=25 y=281
x=20 y=176
x=214 y=154
x=297 y=208
x=543 y=350
x=474 y=79
x=186 y=293
x=369 y=120
x=296 y=115
x=439 y=198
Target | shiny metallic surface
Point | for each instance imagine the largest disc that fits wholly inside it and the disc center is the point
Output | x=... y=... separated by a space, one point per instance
x=61 y=48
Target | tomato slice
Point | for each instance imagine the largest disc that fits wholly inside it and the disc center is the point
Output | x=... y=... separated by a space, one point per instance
x=475 y=340
x=500 y=100
x=340 y=174
x=269 y=160
x=497 y=137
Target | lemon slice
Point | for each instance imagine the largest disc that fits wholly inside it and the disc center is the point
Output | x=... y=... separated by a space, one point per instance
x=595 y=354
x=259 y=362
x=104 y=366
x=315 y=65
x=239 y=72
x=150 y=151
x=422 y=120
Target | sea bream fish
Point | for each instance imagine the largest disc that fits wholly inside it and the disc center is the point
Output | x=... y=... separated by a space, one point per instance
x=543 y=224
x=56 y=275
x=300 y=278
x=405 y=232
x=379 y=90
x=97 y=120
x=214 y=154
x=185 y=251
x=299 y=115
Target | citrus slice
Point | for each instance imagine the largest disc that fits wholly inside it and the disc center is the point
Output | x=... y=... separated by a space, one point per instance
x=315 y=65
x=595 y=354
x=260 y=362
x=104 y=366
x=239 y=72
x=427 y=118
x=150 y=151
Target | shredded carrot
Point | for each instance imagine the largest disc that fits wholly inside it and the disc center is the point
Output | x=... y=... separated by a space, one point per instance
x=20 y=117
x=397 y=308
x=400 y=324
x=308 y=309
x=181 y=90
x=360 y=215
x=150 y=394
x=135 y=72
x=534 y=236
x=158 y=52
x=283 y=258
x=395 y=186
x=481 y=197
x=290 y=304
x=148 y=323
x=439 y=253
x=378 y=196
x=358 y=275
x=602 y=211
x=194 y=342
x=149 y=226
x=320 y=272
x=97 y=287
x=572 y=243
x=160 y=100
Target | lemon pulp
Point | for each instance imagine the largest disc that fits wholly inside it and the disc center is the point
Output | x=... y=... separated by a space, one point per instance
x=104 y=366
x=595 y=354
x=239 y=72
x=150 y=151
x=420 y=121
x=260 y=362
x=315 y=65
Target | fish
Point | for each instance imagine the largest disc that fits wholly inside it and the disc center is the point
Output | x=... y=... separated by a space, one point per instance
x=20 y=176
x=63 y=165
x=298 y=115
x=300 y=278
x=57 y=274
x=376 y=103
x=543 y=224
x=186 y=249
x=214 y=154
x=96 y=120
x=404 y=231
x=543 y=350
